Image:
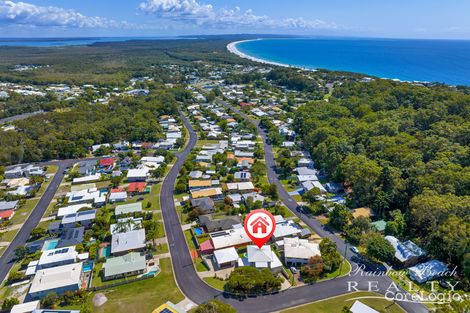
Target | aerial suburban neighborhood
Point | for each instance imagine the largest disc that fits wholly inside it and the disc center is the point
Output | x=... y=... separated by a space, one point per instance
x=138 y=201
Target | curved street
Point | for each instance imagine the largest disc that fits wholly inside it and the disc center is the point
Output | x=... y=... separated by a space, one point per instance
x=198 y=291
x=185 y=273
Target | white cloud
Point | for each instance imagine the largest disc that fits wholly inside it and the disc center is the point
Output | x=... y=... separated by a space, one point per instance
x=22 y=13
x=205 y=15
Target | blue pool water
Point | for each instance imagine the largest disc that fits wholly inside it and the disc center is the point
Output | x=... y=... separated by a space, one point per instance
x=107 y=251
x=50 y=244
x=198 y=231
x=446 y=61
x=87 y=267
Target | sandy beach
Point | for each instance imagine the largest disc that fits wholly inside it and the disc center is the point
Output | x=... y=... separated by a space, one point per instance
x=232 y=47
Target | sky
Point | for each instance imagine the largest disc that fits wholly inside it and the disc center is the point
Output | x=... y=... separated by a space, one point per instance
x=154 y=18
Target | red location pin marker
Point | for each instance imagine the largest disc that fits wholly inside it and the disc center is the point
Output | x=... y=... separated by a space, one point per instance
x=260 y=226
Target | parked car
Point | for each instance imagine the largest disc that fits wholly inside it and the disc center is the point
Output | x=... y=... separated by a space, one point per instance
x=355 y=250
x=293 y=270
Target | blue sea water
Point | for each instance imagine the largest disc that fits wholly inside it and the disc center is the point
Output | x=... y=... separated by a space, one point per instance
x=446 y=61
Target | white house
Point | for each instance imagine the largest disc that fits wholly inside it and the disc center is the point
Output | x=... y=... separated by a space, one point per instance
x=57 y=279
x=130 y=241
x=261 y=258
x=224 y=258
x=298 y=251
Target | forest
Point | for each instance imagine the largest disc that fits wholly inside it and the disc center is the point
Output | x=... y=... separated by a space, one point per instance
x=70 y=132
x=112 y=63
x=399 y=147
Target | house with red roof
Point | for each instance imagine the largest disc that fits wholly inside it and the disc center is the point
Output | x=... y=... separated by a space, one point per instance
x=6 y=215
x=137 y=188
x=246 y=104
x=107 y=164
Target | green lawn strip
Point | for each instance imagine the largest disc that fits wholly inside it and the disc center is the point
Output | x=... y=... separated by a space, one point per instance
x=215 y=282
x=341 y=271
x=337 y=304
x=189 y=239
x=8 y=236
x=143 y=296
x=162 y=248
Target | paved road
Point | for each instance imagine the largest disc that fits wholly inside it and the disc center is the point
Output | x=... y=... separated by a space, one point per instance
x=8 y=258
x=343 y=248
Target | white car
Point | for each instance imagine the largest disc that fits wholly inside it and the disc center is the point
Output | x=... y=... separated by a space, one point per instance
x=354 y=249
x=293 y=270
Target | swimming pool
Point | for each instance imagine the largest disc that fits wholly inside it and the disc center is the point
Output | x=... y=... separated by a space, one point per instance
x=107 y=251
x=87 y=267
x=198 y=231
x=50 y=244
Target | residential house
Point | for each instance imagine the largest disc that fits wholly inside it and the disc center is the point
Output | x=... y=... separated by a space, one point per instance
x=430 y=270
x=131 y=264
x=128 y=208
x=359 y=307
x=138 y=174
x=85 y=218
x=406 y=253
x=57 y=257
x=225 y=258
x=137 y=188
x=261 y=258
x=213 y=193
x=199 y=184
x=72 y=209
x=87 y=167
x=9 y=205
x=286 y=228
x=26 y=307
x=6 y=215
x=206 y=204
x=71 y=237
x=134 y=240
x=235 y=237
x=297 y=251
x=58 y=279
x=305 y=162
x=107 y=164
x=242 y=188
x=117 y=195
x=213 y=225
x=242 y=176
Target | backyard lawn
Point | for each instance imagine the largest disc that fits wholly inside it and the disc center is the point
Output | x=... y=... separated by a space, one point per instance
x=143 y=296
x=336 y=304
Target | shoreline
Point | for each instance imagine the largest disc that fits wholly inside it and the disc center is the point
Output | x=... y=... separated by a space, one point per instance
x=232 y=48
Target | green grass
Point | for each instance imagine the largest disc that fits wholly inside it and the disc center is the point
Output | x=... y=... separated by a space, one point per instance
x=189 y=240
x=215 y=283
x=162 y=248
x=336 y=304
x=200 y=266
x=341 y=271
x=143 y=296
x=8 y=235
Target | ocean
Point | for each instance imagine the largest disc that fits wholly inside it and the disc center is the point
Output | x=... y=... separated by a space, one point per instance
x=444 y=61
